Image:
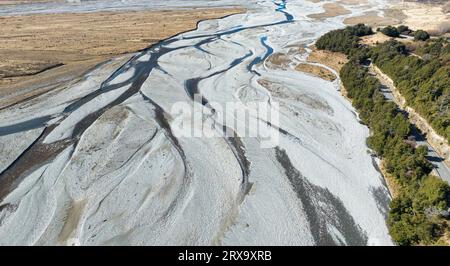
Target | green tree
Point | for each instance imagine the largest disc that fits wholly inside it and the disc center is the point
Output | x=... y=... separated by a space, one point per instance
x=403 y=29
x=417 y=213
x=390 y=31
x=421 y=35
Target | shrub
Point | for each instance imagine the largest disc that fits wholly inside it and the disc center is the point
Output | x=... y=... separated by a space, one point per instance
x=343 y=40
x=423 y=83
x=421 y=35
x=390 y=31
x=360 y=30
x=403 y=29
x=433 y=192
x=417 y=214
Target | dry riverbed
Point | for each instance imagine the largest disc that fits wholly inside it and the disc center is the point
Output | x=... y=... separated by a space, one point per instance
x=331 y=10
x=18 y=2
x=41 y=50
x=434 y=18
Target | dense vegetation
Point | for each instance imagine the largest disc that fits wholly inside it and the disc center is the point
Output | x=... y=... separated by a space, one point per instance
x=419 y=214
x=421 y=35
x=390 y=31
x=424 y=82
x=402 y=29
x=343 y=40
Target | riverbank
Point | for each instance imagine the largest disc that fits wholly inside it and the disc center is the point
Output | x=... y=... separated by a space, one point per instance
x=336 y=61
x=42 y=50
x=418 y=212
x=333 y=60
x=438 y=142
x=133 y=180
x=331 y=10
x=19 y=2
x=432 y=17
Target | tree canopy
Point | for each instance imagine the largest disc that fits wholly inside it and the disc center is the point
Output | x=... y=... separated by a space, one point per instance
x=421 y=35
x=420 y=213
x=390 y=31
x=424 y=82
x=343 y=40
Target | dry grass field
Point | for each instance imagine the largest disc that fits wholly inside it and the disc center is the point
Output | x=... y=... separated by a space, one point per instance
x=44 y=49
